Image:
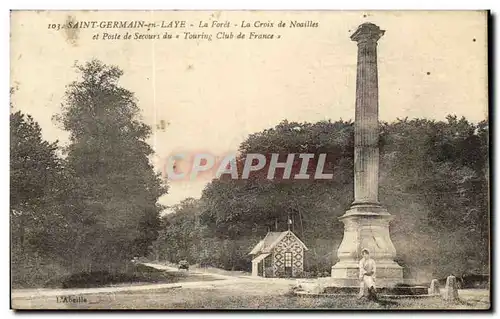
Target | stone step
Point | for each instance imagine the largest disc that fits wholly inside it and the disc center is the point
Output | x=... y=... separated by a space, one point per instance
x=398 y=290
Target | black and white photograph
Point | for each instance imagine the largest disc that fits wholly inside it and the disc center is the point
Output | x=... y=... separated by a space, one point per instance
x=249 y=160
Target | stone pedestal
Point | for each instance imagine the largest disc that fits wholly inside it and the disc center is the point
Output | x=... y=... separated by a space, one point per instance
x=366 y=226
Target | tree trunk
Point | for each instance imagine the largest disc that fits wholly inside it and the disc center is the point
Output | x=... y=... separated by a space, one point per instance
x=21 y=233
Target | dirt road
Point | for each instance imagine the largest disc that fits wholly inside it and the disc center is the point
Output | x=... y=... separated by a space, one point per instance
x=219 y=280
x=196 y=272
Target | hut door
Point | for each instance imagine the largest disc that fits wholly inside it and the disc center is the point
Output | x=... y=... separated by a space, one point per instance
x=288 y=264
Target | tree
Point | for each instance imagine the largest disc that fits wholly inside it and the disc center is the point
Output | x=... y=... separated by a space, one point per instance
x=36 y=187
x=180 y=232
x=433 y=180
x=238 y=206
x=243 y=211
x=115 y=191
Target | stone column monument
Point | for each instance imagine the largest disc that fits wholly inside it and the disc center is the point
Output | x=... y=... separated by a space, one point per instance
x=366 y=223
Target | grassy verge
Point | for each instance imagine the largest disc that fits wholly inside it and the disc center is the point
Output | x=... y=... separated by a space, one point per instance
x=136 y=274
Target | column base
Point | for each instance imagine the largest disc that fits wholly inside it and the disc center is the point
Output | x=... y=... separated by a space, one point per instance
x=366 y=225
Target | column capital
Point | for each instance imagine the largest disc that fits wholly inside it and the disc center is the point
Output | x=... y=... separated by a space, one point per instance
x=367 y=32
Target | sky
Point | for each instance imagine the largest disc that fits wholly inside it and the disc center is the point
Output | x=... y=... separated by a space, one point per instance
x=213 y=94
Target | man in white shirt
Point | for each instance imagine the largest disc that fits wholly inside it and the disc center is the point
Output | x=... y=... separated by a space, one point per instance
x=367 y=270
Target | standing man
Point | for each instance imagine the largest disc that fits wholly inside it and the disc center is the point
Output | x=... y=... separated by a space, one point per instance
x=367 y=270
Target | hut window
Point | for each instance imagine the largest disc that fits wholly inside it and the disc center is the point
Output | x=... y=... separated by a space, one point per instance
x=288 y=259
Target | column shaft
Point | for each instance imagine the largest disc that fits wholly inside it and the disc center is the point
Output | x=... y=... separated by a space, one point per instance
x=366 y=130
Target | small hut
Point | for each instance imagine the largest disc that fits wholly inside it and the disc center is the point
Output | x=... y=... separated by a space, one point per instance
x=279 y=254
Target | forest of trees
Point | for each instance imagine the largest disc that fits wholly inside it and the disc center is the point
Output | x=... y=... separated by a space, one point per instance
x=93 y=204
x=89 y=206
x=434 y=180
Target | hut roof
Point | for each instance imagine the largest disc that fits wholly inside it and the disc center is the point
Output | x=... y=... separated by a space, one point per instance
x=267 y=244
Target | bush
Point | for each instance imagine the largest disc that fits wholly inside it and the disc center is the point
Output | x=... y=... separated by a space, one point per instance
x=36 y=275
x=475 y=281
x=205 y=264
x=94 y=279
x=139 y=273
